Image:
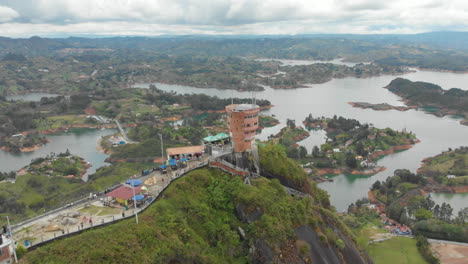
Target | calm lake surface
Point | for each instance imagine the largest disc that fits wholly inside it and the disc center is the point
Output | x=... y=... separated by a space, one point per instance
x=456 y=200
x=437 y=134
x=309 y=62
x=80 y=141
x=35 y=97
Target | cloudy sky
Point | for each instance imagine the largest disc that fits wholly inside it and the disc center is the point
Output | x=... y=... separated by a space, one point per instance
x=25 y=18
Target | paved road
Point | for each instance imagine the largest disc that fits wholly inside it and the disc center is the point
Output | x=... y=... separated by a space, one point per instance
x=438 y=241
x=430 y=240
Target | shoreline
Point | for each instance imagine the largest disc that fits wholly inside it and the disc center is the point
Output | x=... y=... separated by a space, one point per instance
x=372 y=156
x=26 y=149
x=100 y=148
x=441 y=112
x=380 y=107
x=338 y=171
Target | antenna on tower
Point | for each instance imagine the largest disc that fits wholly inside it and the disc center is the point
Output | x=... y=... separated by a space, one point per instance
x=253 y=97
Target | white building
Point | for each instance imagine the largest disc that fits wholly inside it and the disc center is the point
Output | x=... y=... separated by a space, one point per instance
x=6 y=251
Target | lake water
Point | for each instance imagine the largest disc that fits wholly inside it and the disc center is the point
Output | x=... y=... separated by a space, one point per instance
x=456 y=200
x=285 y=62
x=35 y=97
x=80 y=141
x=327 y=99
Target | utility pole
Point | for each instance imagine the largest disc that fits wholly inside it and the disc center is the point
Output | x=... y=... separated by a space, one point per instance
x=134 y=201
x=12 y=239
x=162 y=148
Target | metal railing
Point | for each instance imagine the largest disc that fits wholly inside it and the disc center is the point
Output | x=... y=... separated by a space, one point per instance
x=70 y=231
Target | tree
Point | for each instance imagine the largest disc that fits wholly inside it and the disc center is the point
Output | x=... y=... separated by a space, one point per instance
x=302 y=152
x=428 y=203
x=423 y=214
x=462 y=216
x=446 y=212
x=360 y=149
x=153 y=88
x=351 y=161
x=436 y=211
x=404 y=217
x=394 y=211
x=315 y=152
x=326 y=147
x=376 y=185
x=291 y=123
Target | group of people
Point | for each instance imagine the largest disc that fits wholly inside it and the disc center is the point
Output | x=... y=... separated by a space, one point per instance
x=85 y=220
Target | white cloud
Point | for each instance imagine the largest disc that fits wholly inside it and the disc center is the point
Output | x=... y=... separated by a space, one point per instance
x=145 y=17
x=7 y=14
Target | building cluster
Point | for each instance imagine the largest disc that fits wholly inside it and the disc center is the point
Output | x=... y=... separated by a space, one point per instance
x=99 y=119
x=116 y=140
x=389 y=224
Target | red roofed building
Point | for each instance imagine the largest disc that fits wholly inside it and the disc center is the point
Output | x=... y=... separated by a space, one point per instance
x=123 y=193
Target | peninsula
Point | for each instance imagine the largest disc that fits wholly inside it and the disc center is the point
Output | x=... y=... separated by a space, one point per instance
x=352 y=147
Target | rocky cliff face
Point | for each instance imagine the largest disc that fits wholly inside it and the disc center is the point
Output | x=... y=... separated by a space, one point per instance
x=307 y=244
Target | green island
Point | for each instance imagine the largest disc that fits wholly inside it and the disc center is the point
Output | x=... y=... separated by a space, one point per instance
x=266 y=121
x=23 y=143
x=449 y=168
x=432 y=98
x=301 y=75
x=288 y=136
x=426 y=96
x=53 y=181
x=380 y=107
x=352 y=147
x=228 y=219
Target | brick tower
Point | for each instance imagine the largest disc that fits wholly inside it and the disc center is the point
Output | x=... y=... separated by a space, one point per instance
x=243 y=124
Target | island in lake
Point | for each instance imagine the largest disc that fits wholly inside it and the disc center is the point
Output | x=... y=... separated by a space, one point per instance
x=352 y=147
x=430 y=97
x=23 y=142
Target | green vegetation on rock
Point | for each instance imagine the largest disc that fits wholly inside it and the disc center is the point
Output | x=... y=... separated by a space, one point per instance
x=423 y=94
x=198 y=219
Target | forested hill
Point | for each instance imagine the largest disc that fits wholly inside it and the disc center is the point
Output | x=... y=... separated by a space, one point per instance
x=198 y=219
x=421 y=50
x=422 y=94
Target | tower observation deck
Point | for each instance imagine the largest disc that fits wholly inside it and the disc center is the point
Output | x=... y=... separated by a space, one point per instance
x=243 y=125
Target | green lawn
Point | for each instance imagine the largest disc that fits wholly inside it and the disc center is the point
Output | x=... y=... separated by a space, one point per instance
x=399 y=250
x=60 y=121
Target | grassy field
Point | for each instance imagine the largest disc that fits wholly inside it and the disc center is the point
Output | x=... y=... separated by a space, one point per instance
x=447 y=161
x=399 y=250
x=60 y=121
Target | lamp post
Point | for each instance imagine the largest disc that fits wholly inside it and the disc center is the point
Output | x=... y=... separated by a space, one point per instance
x=12 y=239
x=162 y=148
x=134 y=201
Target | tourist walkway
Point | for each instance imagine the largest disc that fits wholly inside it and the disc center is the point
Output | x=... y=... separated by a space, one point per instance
x=91 y=212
